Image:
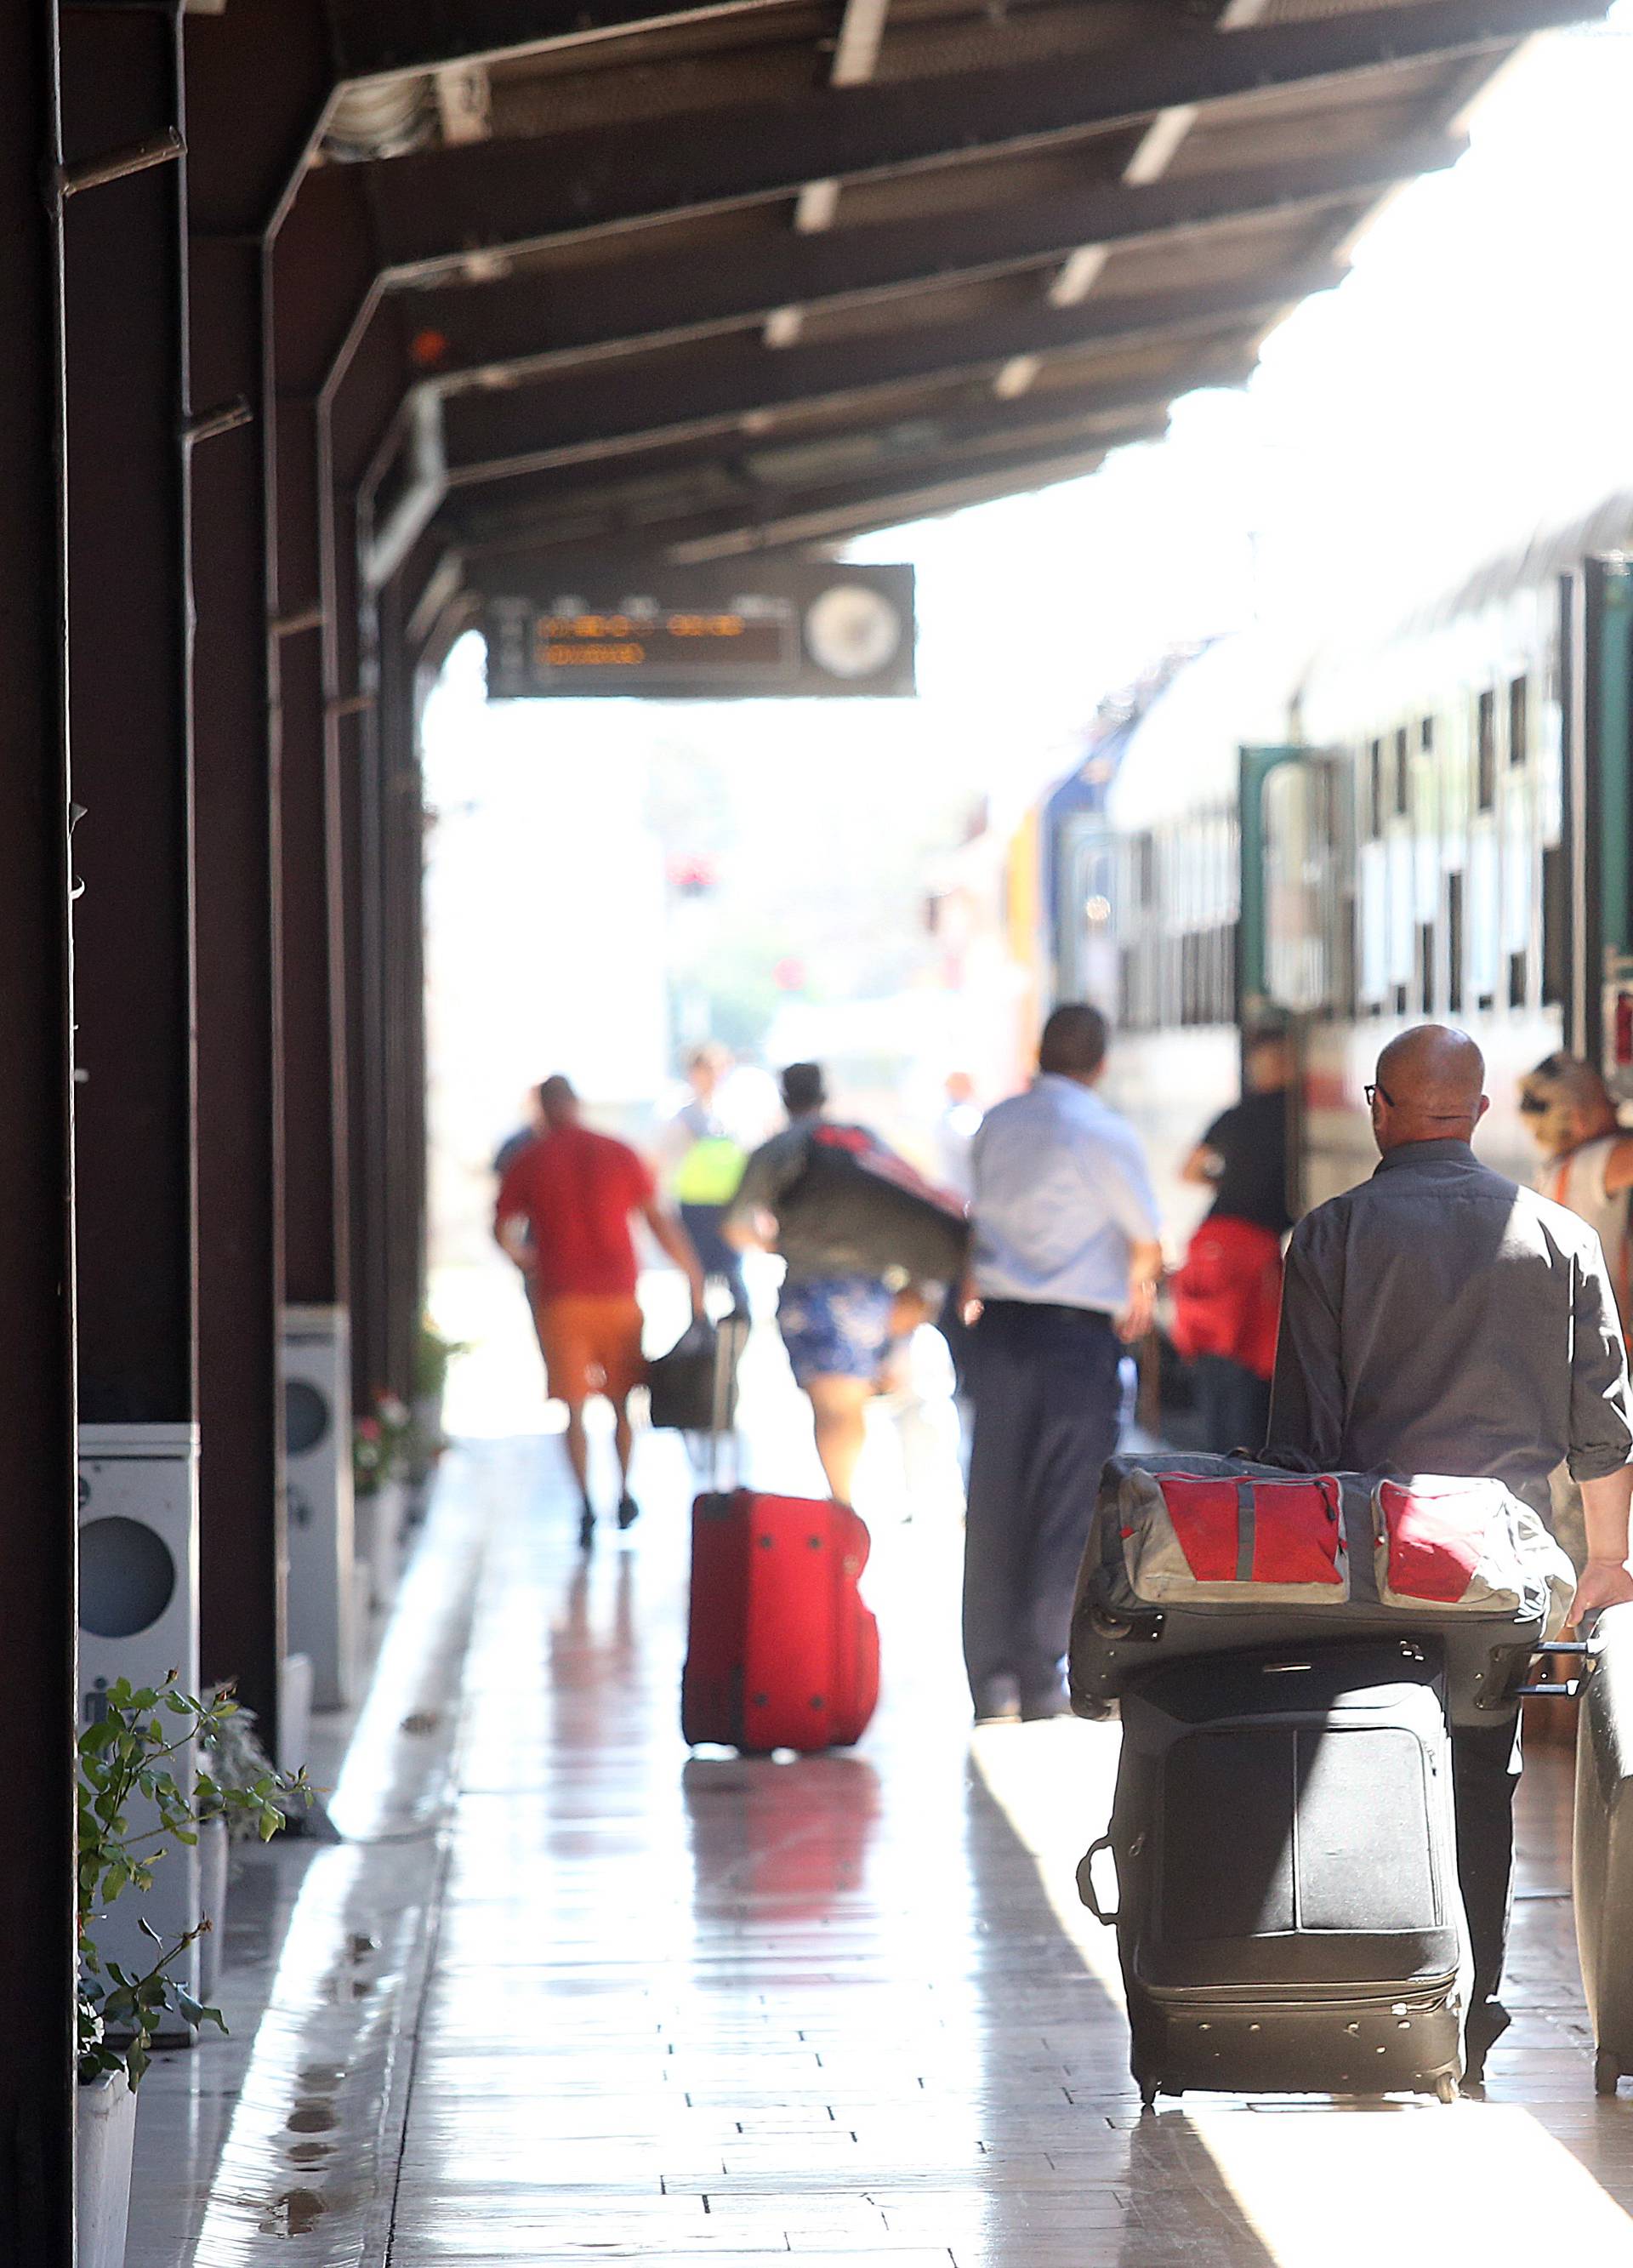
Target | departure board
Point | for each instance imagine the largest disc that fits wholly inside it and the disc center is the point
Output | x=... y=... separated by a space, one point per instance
x=705 y=633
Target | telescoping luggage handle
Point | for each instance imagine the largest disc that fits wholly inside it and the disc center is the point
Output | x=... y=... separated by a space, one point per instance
x=729 y=1336
x=1571 y=1688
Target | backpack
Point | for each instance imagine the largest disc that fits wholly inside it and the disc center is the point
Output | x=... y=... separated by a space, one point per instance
x=855 y=1191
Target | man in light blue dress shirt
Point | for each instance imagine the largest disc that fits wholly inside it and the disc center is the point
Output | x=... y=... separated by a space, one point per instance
x=1065 y=1262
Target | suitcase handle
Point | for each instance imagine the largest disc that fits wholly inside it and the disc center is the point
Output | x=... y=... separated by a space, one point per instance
x=1570 y=1690
x=1085 y=1882
x=1582 y=1647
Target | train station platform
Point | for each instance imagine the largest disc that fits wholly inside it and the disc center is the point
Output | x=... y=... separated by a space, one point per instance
x=564 y=1992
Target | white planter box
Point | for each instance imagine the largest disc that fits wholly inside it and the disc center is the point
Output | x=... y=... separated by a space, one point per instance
x=212 y=1900
x=105 y=2127
x=382 y=1523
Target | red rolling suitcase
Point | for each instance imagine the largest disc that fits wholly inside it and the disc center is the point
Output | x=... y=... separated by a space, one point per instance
x=781 y=1650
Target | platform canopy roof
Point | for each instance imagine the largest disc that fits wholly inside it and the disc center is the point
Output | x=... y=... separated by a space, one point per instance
x=757 y=274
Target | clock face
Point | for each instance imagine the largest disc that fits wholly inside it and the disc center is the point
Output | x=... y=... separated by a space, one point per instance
x=852 y=630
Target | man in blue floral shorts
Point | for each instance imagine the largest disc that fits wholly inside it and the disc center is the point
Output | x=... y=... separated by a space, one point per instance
x=833 y=1311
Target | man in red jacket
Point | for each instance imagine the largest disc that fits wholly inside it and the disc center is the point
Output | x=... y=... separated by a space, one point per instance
x=563 y=1217
x=1227 y=1296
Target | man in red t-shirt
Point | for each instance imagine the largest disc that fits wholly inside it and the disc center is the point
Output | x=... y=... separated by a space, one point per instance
x=563 y=1217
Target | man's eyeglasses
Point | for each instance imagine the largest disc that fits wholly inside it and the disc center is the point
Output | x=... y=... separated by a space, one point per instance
x=1369 y=1092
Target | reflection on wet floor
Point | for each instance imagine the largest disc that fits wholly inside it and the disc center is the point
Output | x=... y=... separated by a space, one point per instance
x=846 y=2008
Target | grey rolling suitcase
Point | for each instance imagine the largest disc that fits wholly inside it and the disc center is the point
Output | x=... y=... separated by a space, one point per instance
x=1603 y=1856
x=1288 y=1914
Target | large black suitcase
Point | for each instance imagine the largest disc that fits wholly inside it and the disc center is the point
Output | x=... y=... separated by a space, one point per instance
x=1288 y=1912
x=1602 y=1864
x=1117 y=1636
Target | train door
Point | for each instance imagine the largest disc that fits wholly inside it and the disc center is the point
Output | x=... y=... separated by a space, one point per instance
x=1594 y=908
x=1294 y=925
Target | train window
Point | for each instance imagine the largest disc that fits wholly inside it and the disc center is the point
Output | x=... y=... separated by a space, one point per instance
x=1402 y=777
x=1516 y=973
x=1300 y=857
x=1375 y=788
x=1426 y=968
x=1555 y=916
x=1518 y=724
x=1373 y=920
x=1145 y=868
x=1485 y=752
x=1454 y=944
x=1485 y=939
x=1426 y=735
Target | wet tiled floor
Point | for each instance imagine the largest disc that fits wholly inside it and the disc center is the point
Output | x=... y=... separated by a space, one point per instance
x=849 y=2006
x=846 y=2009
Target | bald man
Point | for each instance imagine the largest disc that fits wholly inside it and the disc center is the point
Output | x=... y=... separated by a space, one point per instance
x=1438 y=1319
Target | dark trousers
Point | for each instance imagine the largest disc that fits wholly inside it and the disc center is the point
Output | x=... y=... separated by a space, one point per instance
x=716 y=1257
x=1485 y=1772
x=1233 y=1402
x=1046 y=1391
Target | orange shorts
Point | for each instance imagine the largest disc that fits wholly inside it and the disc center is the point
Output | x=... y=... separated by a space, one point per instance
x=592 y=1343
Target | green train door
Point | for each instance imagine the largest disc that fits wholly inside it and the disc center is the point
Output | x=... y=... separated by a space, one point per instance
x=1293 y=922
x=1595 y=918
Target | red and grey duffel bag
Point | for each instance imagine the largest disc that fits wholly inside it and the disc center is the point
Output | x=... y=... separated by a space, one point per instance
x=1195 y=1555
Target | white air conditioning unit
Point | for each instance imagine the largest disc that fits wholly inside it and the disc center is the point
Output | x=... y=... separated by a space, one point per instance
x=317 y=1433
x=138 y=1619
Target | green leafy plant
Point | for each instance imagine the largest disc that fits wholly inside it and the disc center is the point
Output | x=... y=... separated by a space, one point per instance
x=431 y=1357
x=126 y=1760
x=240 y=1777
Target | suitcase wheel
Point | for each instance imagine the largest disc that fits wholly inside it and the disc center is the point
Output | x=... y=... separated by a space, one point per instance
x=1148 y=2094
x=1445 y=2088
x=1606 y=2072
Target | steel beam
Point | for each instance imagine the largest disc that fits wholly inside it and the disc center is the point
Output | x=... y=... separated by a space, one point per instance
x=880 y=497
x=132 y=717
x=434 y=211
x=409 y=37
x=826 y=517
x=571 y=420
x=530 y=324
x=480 y=520
x=37 y=1536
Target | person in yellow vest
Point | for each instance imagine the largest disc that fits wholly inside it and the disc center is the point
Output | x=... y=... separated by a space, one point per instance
x=702 y=1166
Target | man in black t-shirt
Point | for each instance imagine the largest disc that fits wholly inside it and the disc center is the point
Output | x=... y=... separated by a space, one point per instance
x=1227 y=1293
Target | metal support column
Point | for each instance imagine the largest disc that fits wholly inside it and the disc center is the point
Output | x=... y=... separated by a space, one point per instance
x=124 y=245
x=37 y=1540
x=324 y=1615
x=315 y=1196
x=403 y=987
x=128 y=615
x=240 y=1164
x=354 y=747
x=260 y=75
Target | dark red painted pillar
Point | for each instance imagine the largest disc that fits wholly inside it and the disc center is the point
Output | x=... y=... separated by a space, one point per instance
x=127 y=617
x=240 y=1154
x=37 y=1539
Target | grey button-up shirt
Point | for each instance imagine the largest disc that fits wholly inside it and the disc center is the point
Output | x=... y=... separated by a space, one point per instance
x=1438 y=1319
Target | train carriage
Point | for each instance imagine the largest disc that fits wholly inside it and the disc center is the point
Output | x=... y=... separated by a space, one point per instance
x=1433 y=821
